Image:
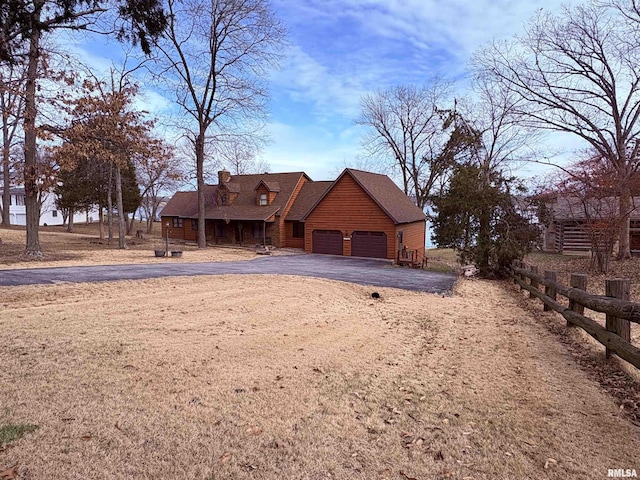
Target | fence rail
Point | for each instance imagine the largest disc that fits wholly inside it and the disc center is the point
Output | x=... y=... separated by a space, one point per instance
x=616 y=335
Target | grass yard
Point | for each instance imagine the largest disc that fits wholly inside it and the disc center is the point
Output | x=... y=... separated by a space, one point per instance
x=84 y=247
x=264 y=377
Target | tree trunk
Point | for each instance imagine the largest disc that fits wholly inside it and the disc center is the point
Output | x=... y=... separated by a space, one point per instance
x=202 y=239
x=6 y=179
x=122 y=224
x=101 y=221
x=624 y=249
x=151 y=216
x=70 y=223
x=131 y=223
x=30 y=165
x=110 y=207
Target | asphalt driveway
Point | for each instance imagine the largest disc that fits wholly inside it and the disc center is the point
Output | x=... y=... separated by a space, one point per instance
x=364 y=271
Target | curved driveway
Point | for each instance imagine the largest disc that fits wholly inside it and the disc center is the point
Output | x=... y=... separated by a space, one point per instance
x=364 y=271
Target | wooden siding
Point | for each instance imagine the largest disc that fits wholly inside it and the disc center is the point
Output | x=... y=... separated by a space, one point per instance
x=289 y=240
x=286 y=228
x=176 y=232
x=413 y=236
x=347 y=208
x=575 y=238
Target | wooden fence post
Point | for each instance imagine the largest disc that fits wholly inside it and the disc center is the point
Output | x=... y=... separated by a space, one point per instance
x=618 y=288
x=550 y=292
x=579 y=281
x=534 y=283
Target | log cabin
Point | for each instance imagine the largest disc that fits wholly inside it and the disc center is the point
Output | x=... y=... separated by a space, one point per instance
x=566 y=229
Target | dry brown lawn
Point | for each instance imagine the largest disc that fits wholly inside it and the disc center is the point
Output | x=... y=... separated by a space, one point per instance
x=265 y=377
x=84 y=247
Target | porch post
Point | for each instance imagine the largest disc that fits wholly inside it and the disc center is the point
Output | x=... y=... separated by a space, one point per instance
x=264 y=233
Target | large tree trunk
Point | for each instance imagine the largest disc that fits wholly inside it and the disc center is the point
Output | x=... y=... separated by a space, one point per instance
x=30 y=165
x=122 y=224
x=70 y=222
x=202 y=238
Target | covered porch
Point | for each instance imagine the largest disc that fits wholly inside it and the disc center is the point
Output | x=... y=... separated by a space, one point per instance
x=239 y=232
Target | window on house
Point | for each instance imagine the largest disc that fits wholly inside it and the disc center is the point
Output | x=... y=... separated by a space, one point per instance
x=54 y=213
x=263 y=199
x=224 y=199
x=177 y=223
x=16 y=200
x=194 y=224
x=298 y=230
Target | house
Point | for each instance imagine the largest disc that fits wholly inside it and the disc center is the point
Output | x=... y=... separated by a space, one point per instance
x=49 y=213
x=564 y=229
x=359 y=214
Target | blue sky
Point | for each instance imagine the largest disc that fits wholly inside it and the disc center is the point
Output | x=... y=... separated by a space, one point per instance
x=340 y=50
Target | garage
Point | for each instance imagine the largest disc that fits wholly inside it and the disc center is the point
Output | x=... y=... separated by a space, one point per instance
x=328 y=242
x=369 y=244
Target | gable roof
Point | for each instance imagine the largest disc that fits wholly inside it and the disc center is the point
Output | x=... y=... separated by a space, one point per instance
x=271 y=186
x=308 y=198
x=382 y=190
x=185 y=204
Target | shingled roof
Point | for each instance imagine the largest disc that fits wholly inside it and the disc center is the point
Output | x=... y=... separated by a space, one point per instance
x=307 y=199
x=568 y=209
x=384 y=192
x=185 y=204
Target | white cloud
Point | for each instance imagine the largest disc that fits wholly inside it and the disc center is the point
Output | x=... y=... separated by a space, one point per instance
x=305 y=79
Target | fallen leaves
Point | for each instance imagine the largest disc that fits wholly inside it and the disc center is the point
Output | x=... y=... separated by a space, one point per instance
x=225 y=457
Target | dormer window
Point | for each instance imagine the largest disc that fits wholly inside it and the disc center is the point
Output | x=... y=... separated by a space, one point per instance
x=263 y=199
x=224 y=199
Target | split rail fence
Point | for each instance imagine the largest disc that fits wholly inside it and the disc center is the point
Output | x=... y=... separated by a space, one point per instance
x=615 y=335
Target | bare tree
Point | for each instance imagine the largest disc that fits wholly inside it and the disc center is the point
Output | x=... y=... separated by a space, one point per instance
x=12 y=79
x=157 y=172
x=578 y=72
x=24 y=25
x=407 y=131
x=241 y=157
x=216 y=53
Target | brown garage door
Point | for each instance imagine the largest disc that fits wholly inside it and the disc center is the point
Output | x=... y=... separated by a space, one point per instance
x=369 y=244
x=328 y=242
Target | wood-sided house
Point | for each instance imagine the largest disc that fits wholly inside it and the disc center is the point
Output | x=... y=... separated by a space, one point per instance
x=565 y=229
x=359 y=214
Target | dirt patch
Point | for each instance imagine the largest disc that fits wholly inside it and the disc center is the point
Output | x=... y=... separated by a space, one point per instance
x=284 y=377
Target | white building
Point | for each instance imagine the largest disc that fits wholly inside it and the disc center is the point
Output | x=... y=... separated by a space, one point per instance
x=49 y=214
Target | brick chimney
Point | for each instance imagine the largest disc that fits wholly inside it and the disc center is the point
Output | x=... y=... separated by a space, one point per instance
x=223 y=177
